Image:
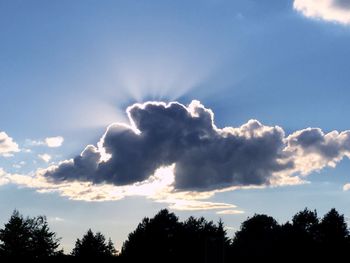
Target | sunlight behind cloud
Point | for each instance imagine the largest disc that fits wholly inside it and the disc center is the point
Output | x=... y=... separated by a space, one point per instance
x=159 y=188
x=162 y=76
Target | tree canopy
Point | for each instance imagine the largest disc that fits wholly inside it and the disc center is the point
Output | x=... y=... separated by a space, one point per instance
x=28 y=238
x=93 y=246
x=164 y=238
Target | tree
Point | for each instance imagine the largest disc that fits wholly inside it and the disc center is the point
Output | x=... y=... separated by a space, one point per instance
x=93 y=246
x=28 y=237
x=164 y=239
x=305 y=232
x=333 y=231
x=154 y=239
x=258 y=236
x=306 y=221
x=203 y=241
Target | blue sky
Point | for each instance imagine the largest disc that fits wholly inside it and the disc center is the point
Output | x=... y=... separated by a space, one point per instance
x=70 y=69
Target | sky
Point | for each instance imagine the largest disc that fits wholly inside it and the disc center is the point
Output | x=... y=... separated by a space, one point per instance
x=113 y=110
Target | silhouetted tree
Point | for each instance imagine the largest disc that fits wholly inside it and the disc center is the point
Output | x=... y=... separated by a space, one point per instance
x=154 y=239
x=305 y=232
x=258 y=237
x=333 y=232
x=306 y=221
x=204 y=241
x=93 y=246
x=164 y=239
x=28 y=237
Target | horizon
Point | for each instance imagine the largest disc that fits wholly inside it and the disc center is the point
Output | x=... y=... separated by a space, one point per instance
x=114 y=110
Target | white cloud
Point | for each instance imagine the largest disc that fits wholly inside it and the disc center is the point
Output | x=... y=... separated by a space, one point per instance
x=7 y=145
x=329 y=10
x=3 y=178
x=54 y=141
x=45 y=157
x=230 y=212
x=51 y=142
x=346 y=187
x=55 y=219
x=195 y=205
x=158 y=188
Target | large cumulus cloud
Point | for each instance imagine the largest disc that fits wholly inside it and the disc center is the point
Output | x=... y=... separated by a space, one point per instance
x=329 y=10
x=205 y=157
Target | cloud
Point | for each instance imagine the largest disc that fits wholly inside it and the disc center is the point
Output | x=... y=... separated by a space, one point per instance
x=230 y=212
x=312 y=150
x=7 y=145
x=205 y=157
x=346 y=187
x=194 y=205
x=56 y=219
x=159 y=187
x=175 y=154
x=329 y=10
x=52 y=142
x=3 y=179
x=45 y=157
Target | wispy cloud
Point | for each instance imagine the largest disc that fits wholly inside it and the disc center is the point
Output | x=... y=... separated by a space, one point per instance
x=52 y=142
x=230 y=212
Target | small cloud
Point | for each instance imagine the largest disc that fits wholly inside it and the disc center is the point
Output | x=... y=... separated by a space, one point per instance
x=54 y=142
x=56 y=219
x=195 y=205
x=329 y=10
x=30 y=142
x=346 y=187
x=51 y=142
x=45 y=157
x=230 y=212
x=8 y=155
x=7 y=145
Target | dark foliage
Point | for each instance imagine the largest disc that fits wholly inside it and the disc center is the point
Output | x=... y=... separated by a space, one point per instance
x=28 y=238
x=164 y=238
x=93 y=246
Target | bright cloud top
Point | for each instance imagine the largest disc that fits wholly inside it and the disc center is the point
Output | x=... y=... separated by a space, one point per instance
x=7 y=145
x=329 y=10
x=175 y=154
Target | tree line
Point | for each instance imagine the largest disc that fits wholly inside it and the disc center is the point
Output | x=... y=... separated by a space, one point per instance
x=164 y=238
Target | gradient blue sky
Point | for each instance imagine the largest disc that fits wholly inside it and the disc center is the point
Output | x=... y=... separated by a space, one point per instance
x=70 y=68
